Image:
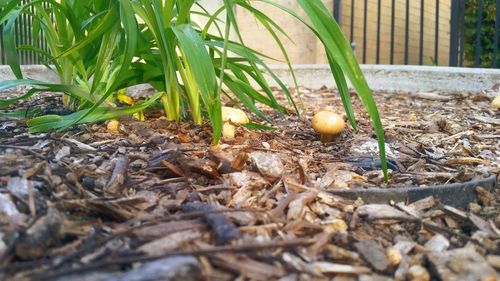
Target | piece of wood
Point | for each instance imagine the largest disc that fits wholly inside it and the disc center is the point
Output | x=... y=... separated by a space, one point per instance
x=373 y=254
x=118 y=177
x=461 y=264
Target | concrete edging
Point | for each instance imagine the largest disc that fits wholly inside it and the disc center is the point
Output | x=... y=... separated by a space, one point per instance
x=392 y=78
x=401 y=78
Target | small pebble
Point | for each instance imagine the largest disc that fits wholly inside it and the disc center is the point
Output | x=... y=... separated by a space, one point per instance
x=475 y=208
x=88 y=182
x=98 y=160
x=393 y=255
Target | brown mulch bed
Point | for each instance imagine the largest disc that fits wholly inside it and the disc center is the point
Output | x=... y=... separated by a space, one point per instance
x=155 y=201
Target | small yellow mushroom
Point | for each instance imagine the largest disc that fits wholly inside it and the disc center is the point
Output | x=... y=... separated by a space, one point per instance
x=496 y=102
x=327 y=124
x=232 y=117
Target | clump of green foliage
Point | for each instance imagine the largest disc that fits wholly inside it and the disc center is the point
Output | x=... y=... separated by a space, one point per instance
x=487 y=33
x=101 y=47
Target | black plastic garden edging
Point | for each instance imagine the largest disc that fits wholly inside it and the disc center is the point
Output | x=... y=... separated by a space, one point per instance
x=456 y=194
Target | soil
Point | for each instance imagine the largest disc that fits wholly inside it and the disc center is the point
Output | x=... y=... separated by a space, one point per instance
x=154 y=200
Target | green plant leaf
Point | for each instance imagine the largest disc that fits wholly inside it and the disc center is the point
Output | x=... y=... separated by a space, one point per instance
x=196 y=52
x=57 y=122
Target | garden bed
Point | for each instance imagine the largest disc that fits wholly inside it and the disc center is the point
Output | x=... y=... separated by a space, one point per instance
x=155 y=200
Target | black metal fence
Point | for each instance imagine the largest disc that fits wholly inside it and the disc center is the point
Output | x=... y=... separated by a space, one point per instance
x=473 y=29
x=24 y=37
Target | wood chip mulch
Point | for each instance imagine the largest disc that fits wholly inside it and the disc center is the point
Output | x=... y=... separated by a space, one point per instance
x=154 y=201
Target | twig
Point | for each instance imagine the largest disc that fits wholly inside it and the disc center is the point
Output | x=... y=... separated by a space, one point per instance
x=26 y=149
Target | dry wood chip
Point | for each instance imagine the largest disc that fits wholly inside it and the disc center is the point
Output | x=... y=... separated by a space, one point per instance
x=456 y=213
x=377 y=212
x=461 y=264
x=335 y=268
x=283 y=202
x=203 y=166
x=340 y=179
x=322 y=239
x=373 y=254
x=488 y=120
x=9 y=214
x=170 y=242
x=339 y=254
x=47 y=230
x=336 y=201
x=269 y=165
x=297 y=208
x=105 y=208
x=334 y=225
x=247 y=182
x=466 y=161
x=114 y=245
x=248 y=267
x=62 y=152
x=494 y=261
x=239 y=161
x=437 y=243
x=222 y=159
x=409 y=210
x=485 y=197
x=118 y=177
x=424 y=204
x=481 y=224
x=299 y=264
x=404 y=247
x=324 y=210
x=80 y=145
x=162 y=229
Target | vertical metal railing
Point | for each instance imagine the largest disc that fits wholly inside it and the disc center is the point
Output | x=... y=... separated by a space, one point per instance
x=436 y=33
x=379 y=13
x=393 y=18
x=416 y=46
x=24 y=37
x=365 y=20
x=421 y=41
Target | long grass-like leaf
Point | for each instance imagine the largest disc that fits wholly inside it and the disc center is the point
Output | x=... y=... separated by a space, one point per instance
x=57 y=122
x=194 y=47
